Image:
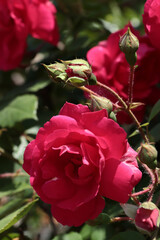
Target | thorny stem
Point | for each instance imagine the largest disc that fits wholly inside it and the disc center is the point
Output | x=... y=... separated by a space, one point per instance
x=158 y=201
x=9 y=156
x=152 y=173
x=155 y=182
x=141 y=192
x=119 y=219
x=135 y=199
x=88 y=91
x=130 y=88
x=127 y=109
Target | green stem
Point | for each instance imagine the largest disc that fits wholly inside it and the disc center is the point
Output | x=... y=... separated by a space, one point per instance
x=126 y=109
x=88 y=91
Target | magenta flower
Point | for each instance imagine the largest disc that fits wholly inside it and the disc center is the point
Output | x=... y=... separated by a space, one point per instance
x=18 y=19
x=77 y=158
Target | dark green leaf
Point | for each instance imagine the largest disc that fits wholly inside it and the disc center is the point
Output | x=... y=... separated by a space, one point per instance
x=21 y=108
x=14 y=217
x=13 y=192
x=128 y=235
x=103 y=218
x=9 y=207
x=155 y=132
x=155 y=110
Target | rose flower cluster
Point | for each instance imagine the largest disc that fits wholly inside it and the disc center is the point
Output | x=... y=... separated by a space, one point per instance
x=18 y=19
x=112 y=69
x=78 y=158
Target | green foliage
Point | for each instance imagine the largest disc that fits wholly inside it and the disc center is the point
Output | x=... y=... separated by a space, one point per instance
x=15 y=216
x=131 y=235
x=155 y=111
x=26 y=106
x=19 y=109
x=69 y=236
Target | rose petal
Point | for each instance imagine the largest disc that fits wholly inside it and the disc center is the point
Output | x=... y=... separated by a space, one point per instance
x=89 y=210
x=118 y=180
x=73 y=111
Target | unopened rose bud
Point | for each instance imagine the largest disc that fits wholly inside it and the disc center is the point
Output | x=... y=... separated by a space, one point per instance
x=147 y=154
x=92 y=80
x=76 y=81
x=75 y=72
x=129 y=44
x=81 y=69
x=147 y=218
x=56 y=71
x=98 y=103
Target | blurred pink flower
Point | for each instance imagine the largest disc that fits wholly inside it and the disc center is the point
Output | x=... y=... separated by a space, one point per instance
x=18 y=19
x=151 y=20
x=111 y=68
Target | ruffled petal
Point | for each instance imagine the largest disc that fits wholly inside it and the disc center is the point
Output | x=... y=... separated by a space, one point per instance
x=118 y=180
x=87 y=211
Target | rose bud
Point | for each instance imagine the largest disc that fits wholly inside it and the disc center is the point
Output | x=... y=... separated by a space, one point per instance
x=56 y=71
x=147 y=154
x=98 y=103
x=129 y=44
x=75 y=72
x=147 y=218
x=81 y=69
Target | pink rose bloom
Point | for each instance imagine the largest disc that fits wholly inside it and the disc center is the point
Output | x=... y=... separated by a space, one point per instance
x=111 y=68
x=18 y=19
x=78 y=157
x=151 y=20
x=146 y=219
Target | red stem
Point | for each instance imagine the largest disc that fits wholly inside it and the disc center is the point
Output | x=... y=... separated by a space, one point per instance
x=131 y=83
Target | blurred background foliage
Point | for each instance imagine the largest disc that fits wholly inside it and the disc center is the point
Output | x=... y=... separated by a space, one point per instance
x=28 y=98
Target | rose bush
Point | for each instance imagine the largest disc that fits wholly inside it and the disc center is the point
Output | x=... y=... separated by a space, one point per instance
x=151 y=20
x=20 y=18
x=78 y=157
x=111 y=68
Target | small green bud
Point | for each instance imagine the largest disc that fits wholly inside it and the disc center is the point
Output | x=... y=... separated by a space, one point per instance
x=76 y=62
x=56 y=71
x=147 y=154
x=131 y=58
x=129 y=44
x=113 y=116
x=92 y=80
x=76 y=81
x=98 y=103
x=75 y=72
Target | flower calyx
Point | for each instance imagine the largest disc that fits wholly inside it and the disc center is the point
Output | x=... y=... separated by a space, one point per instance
x=148 y=154
x=129 y=45
x=75 y=72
